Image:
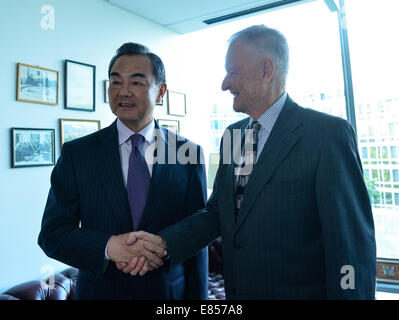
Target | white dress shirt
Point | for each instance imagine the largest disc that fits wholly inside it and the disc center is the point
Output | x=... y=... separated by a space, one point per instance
x=267 y=121
x=125 y=144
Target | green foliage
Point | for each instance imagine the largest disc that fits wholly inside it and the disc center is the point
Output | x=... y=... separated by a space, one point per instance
x=374 y=194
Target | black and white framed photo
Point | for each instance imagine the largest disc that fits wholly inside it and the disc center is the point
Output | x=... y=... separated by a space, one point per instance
x=71 y=129
x=37 y=85
x=176 y=103
x=32 y=147
x=80 y=86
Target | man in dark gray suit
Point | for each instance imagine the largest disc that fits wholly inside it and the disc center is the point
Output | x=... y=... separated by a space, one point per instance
x=103 y=187
x=296 y=222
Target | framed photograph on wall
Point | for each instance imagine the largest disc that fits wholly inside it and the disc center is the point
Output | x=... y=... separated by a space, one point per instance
x=106 y=86
x=71 y=129
x=172 y=125
x=37 y=85
x=388 y=271
x=176 y=103
x=80 y=89
x=32 y=147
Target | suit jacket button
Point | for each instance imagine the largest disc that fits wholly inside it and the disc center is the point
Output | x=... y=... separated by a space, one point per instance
x=237 y=246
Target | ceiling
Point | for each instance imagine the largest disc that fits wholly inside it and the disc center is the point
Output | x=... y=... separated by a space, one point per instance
x=184 y=16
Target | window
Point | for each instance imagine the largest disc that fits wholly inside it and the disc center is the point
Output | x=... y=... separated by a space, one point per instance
x=397 y=199
x=388 y=198
x=374 y=174
x=364 y=153
x=394 y=152
x=373 y=153
x=311 y=81
x=387 y=175
x=315 y=80
x=376 y=98
x=385 y=152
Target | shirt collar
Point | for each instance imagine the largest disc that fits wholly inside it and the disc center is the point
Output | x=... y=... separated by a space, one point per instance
x=269 y=117
x=124 y=133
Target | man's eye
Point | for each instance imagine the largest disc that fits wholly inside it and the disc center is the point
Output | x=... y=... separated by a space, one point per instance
x=115 y=83
x=137 y=83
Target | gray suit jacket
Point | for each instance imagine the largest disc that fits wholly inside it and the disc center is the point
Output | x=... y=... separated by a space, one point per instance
x=305 y=216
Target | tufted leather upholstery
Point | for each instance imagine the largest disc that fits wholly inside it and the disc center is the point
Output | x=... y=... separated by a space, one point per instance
x=64 y=288
x=65 y=282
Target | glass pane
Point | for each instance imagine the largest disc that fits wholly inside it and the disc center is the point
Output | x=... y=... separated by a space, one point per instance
x=315 y=78
x=372 y=30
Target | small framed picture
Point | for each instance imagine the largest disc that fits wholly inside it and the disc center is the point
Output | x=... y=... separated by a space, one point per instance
x=176 y=103
x=80 y=89
x=172 y=125
x=32 y=147
x=106 y=86
x=37 y=85
x=71 y=129
x=388 y=270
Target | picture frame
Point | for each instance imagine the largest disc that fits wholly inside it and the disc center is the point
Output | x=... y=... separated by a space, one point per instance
x=388 y=271
x=71 y=129
x=106 y=86
x=31 y=147
x=176 y=103
x=171 y=124
x=80 y=89
x=37 y=85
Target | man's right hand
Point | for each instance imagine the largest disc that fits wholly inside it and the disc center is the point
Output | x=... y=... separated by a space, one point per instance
x=140 y=265
x=126 y=247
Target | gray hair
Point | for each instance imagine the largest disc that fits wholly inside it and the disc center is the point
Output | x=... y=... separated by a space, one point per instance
x=271 y=41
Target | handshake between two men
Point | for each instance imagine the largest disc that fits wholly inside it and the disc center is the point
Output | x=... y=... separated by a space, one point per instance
x=137 y=252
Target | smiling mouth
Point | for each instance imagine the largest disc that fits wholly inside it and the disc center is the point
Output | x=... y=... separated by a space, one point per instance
x=126 y=105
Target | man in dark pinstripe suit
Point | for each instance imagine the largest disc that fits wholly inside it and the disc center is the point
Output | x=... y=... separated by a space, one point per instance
x=88 y=213
x=303 y=226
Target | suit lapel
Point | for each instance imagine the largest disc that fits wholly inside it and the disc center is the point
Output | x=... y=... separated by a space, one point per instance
x=109 y=162
x=227 y=183
x=280 y=142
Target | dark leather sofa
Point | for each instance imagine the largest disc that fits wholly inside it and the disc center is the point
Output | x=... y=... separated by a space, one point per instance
x=65 y=282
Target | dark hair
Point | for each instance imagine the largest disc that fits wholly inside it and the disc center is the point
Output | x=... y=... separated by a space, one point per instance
x=136 y=49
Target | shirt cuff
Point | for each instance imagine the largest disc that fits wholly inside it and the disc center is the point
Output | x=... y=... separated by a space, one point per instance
x=106 y=252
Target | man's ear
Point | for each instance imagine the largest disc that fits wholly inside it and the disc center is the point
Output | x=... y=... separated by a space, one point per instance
x=268 y=69
x=161 y=93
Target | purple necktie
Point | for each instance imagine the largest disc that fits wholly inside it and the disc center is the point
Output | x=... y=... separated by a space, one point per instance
x=138 y=180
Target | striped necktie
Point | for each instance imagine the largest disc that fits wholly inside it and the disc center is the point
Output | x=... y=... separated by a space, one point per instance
x=244 y=170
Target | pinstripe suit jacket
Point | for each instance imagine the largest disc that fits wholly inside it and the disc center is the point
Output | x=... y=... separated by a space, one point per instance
x=87 y=187
x=305 y=215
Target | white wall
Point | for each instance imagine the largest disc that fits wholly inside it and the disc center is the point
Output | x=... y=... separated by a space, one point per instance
x=88 y=31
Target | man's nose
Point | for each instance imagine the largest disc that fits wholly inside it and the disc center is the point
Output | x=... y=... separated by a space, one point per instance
x=225 y=83
x=125 y=90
